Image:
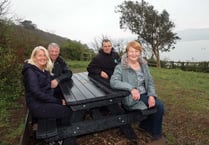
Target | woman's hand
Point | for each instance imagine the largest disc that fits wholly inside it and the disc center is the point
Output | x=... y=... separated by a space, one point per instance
x=135 y=94
x=151 y=101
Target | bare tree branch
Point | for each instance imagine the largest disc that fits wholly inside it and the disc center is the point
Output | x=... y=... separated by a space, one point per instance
x=4 y=7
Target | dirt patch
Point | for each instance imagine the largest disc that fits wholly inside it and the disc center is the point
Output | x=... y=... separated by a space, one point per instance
x=179 y=127
x=113 y=137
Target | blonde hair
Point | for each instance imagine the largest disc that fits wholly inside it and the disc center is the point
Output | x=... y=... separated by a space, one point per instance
x=49 y=64
x=134 y=44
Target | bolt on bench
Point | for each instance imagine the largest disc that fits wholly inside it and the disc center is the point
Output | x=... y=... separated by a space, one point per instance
x=95 y=107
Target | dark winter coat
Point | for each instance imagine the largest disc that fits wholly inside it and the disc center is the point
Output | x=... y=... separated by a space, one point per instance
x=60 y=70
x=103 y=62
x=37 y=87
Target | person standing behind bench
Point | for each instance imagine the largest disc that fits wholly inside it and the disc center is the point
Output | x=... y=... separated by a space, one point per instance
x=60 y=70
x=38 y=92
x=133 y=75
x=102 y=65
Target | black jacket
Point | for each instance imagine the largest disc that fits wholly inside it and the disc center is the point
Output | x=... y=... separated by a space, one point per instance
x=37 y=87
x=103 y=62
x=60 y=70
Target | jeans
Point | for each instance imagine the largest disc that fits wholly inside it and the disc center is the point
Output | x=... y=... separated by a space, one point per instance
x=153 y=123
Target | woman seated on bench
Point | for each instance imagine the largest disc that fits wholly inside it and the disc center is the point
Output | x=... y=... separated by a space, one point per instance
x=133 y=74
x=38 y=92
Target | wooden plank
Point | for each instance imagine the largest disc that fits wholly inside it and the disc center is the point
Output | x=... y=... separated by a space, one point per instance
x=91 y=126
x=89 y=85
x=24 y=140
x=94 y=104
x=80 y=84
x=84 y=91
x=46 y=128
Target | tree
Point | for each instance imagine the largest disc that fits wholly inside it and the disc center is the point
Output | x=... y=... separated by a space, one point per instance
x=117 y=44
x=4 y=24
x=4 y=7
x=28 y=24
x=97 y=44
x=75 y=50
x=154 y=30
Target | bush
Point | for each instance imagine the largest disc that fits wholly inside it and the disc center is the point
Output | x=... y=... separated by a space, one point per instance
x=10 y=82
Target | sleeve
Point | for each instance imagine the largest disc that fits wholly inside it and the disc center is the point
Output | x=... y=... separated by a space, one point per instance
x=94 y=67
x=117 y=82
x=66 y=72
x=33 y=88
x=150 y=86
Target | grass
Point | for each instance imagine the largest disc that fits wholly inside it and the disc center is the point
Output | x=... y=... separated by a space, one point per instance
x=185 y=95
x=189 y=89
x=78 y=66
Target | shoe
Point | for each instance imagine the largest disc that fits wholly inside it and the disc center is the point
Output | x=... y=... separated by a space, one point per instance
x=52 y=143
x=156 y=137
x=133 y=142
x=144 y=131
x=60 y=142
x=158 y=141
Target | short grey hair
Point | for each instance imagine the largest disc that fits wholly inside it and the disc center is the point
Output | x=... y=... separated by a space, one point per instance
x=53 y=45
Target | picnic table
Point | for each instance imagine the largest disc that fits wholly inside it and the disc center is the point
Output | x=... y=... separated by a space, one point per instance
x=95 y=107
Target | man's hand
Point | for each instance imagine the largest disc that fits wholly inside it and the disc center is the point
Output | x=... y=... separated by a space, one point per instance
x=104 y=75
x=64 y=102
x=135 y=94
x=54 y=83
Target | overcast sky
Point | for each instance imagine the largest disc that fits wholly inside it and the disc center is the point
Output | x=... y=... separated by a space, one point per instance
x=84 y=20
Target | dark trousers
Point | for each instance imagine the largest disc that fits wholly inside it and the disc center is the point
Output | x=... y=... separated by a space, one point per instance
x=153 y=123
x=52 y=111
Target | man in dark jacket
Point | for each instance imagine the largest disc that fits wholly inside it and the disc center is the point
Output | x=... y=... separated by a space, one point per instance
x=102 y=65
x=60 y=69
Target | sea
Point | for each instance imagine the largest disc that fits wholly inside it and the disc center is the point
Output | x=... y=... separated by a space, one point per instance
x=188 y=51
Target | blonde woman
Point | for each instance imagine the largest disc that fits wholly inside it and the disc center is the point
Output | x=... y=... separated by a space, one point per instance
x=133 y=75
x=38 y=91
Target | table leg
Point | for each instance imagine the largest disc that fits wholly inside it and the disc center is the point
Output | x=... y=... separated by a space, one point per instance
x=126 y=129
x=76 y=117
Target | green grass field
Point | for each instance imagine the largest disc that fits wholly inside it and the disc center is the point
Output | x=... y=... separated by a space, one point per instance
x=78 y=66
x=186 y=99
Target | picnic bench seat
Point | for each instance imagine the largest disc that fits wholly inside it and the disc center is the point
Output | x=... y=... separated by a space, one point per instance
x=86 y=96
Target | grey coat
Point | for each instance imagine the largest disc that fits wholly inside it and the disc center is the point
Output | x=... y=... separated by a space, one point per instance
x=125 y=78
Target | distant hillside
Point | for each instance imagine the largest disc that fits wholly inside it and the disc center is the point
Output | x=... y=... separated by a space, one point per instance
x=22 y=39
x=194 y=34
x=40 y=34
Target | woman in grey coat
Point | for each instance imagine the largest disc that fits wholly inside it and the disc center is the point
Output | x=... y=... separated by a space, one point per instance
x=133 y=75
